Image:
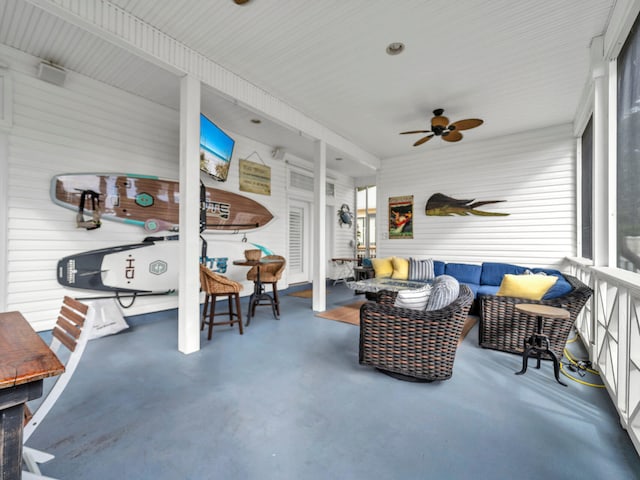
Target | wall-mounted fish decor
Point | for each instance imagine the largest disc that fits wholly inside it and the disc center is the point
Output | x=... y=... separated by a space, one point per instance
x=442 y=205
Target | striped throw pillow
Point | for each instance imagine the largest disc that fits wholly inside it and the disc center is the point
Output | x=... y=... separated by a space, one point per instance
x=445 y=290
x=414 y=299
x=421 y=270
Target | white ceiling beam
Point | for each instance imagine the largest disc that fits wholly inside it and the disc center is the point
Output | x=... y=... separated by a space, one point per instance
x=118 y=27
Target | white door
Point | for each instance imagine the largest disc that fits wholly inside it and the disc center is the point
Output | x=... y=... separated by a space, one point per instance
x=298 y=259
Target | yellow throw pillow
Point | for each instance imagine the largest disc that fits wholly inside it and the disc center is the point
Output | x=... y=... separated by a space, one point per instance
x=400 y=268
x=532 y=287
x=383 y=267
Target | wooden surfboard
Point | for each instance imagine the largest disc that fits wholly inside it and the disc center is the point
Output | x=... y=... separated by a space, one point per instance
x=153 y=203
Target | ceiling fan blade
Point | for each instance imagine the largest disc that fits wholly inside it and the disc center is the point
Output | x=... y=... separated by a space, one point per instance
x=439 y=121
x=454 y=136
x=415 y=131
x=467 y=124
x=423 y=140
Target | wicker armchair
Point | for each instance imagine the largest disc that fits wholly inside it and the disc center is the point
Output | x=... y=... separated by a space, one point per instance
x=503 y=328
x=412 y=344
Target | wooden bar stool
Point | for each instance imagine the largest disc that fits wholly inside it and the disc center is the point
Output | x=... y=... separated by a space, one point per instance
x=270 y=273
x=214 y=286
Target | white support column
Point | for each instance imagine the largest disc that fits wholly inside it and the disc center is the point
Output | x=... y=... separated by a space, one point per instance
x=319 y=300
x=6 y=122
x=600 y=205
x=4 y=227
x=612 y=174
x=189 y=280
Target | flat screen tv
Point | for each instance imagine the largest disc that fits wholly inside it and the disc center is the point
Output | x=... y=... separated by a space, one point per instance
x=216 y=148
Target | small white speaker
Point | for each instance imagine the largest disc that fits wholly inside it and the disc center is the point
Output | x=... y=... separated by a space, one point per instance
x=52 y=73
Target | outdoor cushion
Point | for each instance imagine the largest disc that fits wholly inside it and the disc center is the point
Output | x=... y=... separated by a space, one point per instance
x=414 y=299
x=400 y=268
x=487 y=290
x=383 y=267
x=492 y=273
x=561 y=287
x=438 y=268
x=464 y=272
x=421 y=270
x=444 y=291
x=532 y=287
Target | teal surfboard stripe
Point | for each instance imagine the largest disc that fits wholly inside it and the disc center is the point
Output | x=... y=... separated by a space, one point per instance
x=137 y=175
x=131 y=222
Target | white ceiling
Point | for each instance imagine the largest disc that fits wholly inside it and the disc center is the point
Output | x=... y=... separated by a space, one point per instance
x=517 y=64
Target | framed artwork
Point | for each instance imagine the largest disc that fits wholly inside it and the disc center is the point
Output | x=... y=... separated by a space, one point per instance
x=401 y=217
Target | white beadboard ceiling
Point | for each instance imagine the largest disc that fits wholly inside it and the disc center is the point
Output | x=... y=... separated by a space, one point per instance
x=517 y=64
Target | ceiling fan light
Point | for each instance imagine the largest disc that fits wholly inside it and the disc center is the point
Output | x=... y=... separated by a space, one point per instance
x=440 y=122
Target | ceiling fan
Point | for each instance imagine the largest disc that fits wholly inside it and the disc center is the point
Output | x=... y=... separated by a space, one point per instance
x=440 y=127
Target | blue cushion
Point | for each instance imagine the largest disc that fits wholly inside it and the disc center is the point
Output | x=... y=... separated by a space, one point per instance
x=438 y=268
x=487 y=290
x=492 y=273
x=366 y=262
x=561 y=287
x=464 y=272
x=444 y=291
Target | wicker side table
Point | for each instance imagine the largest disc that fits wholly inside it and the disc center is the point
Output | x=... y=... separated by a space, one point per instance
x=538 y=342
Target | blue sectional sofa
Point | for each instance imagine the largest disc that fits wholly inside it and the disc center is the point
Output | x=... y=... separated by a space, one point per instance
x=485 y=279
x=504 y=328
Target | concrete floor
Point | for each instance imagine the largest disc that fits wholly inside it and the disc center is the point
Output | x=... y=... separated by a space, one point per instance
x=288 y=400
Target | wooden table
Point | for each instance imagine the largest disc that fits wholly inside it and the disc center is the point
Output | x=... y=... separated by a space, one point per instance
x=258 y=289
x=25 y=361
x=538 y=342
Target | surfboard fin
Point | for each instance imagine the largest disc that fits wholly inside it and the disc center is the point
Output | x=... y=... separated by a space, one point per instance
x=264 y=249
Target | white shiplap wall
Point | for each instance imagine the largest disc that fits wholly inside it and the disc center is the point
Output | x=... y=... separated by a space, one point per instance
x=87 y=126
x=343 y=236
x=533 y=172
x=84 y=126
